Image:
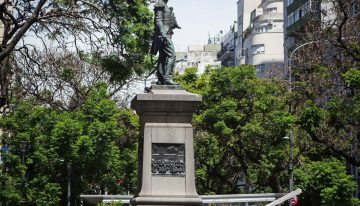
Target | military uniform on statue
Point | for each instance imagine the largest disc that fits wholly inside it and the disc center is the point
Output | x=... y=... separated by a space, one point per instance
x=165 y=22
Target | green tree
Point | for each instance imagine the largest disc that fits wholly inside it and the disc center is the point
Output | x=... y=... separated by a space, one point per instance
x=325 y=183
x=98 y=140
x=325 y=84
x=115 y=35
x=240 y=127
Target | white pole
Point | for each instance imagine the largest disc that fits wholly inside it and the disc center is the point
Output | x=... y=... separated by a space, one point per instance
x=285 y=198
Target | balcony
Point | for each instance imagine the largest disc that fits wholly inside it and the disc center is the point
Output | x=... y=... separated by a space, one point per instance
x=296 y=26
x=299 y=24
x=269 y=1
x=270 y=16
x=295 y=5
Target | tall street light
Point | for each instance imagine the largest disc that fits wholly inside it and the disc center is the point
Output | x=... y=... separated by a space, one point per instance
x=291 y=169
x=291 y=176
x=68 y=171
x=23 y=147
x=68 y=168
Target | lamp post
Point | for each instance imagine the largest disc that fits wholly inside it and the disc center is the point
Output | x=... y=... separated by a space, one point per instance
x=235 y=37
x=291 y=169
x=68 y=172
x=291 y=175
x=23 y=147
x=68 y=168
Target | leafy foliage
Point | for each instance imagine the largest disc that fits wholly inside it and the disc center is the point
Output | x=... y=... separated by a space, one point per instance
x=240 y=128
x=94 y=141
x=326 y=84
x=111 y=37
x=111 y=204
x=325 y=183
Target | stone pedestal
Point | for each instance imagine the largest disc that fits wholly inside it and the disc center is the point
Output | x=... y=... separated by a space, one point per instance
x=166 y=150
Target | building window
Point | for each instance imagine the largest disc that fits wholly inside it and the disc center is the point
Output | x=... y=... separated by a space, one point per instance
x=260 y=68
x=272 y=10
x=296 y=16
x=240 y=23
x=289 y=2
x=291 y=19
x=262 y=29
x=252 y=17
x=298 y=13
x=258 y=49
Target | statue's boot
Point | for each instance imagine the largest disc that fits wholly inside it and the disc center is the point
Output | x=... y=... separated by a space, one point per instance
x=170 y=82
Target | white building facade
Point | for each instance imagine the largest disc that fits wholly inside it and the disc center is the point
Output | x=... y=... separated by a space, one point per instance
x=199 y=56
x=243 y=20
x=261 y=36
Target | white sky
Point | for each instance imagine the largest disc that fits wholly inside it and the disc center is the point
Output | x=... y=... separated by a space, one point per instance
x=198 y=18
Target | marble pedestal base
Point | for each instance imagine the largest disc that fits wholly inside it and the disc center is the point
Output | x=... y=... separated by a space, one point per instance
x=166 y=150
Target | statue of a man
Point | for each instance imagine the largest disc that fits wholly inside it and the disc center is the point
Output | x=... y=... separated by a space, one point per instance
x=165 y=22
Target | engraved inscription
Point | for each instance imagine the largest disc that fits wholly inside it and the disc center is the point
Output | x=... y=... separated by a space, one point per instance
x=168 y=159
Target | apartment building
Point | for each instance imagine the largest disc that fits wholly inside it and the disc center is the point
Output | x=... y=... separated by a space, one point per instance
x=244 y=11
x=297 y=13
x=227 y=54
x=261 y=36
x=199 y=56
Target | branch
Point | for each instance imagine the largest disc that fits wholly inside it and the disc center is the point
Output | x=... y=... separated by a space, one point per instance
x=25 y=27
x=340 y=38
x=337 y=153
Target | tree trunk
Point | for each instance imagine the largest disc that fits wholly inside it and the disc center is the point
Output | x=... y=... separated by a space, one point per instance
x=5 y=76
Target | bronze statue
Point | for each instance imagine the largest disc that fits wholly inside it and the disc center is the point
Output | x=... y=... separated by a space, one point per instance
x=165 y=22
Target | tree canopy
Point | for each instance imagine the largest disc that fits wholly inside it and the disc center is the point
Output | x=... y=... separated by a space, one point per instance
x=98 y=141
x=48 y=37
x=240 y=130
x=56 y=54
x=325 y=71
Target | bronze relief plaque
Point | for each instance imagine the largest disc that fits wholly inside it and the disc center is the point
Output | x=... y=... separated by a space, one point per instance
x=168 y=159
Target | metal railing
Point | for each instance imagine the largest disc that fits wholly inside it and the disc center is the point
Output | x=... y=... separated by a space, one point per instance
x=206 y=199
x=270 y=16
